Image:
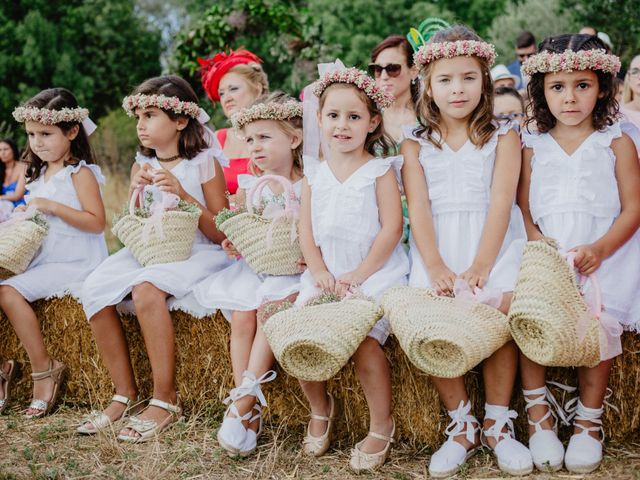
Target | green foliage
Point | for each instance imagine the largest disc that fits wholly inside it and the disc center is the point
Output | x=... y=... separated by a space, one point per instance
x=115 y=141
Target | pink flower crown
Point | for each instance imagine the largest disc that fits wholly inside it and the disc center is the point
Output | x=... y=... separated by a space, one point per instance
x=356 y=77
x=436 y=50
x=267 y=111
x=174 y=104
x=47 y=116
x=568 y=61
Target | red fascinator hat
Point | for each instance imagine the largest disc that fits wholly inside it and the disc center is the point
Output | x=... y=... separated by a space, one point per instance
x=213 y=69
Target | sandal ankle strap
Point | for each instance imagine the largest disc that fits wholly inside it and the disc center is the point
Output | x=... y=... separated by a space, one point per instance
x=463 y=422
x=169 y=407
x=251 y=386
x=121 y=399
x=502 y=417
x=51 y=372
x=322 y=418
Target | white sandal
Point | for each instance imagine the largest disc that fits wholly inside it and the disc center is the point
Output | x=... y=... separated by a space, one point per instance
x=148 y=429
x=56 y=374
x=452 y=455
x=318 y=446
x=584 y=453
x=101 y=421
x=361 y=461
x=7 y=379
x=251 y=439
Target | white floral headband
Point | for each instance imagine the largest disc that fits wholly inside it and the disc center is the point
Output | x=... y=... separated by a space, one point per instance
x=177 y=106
x=568 y=61
x=48 y=116
x=436 y=50
x=267 y=111
x=356 y=77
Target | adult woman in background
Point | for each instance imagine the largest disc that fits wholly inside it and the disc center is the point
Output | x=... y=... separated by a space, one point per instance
x=11 y=178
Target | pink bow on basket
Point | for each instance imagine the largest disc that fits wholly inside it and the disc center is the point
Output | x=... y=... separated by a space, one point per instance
x=273 y=211
x=167 y=201
x=488 y=296
x=609 y=328
x=18 y=217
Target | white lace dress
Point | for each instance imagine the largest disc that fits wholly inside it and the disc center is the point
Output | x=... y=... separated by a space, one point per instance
x=459 y=184
x=345 y=223
x=575 y=200
x=67 y=254
x=115 y=278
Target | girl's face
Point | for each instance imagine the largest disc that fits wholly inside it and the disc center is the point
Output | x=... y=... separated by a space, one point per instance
x=399 y=82
x=270 y=148
x=456 y=86
x=634 y=76
x=156 y=130
x=345 y=120
x=6 y=153
x=235 y=93
x=49 y=142
x=571 y=96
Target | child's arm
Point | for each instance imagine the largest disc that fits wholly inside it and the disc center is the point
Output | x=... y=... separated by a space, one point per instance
x=589 y=257
x=20 y=190
x=533 y=232
x=390 y=215
x=506 y=172
x=310 y=251
x=421 y=219
x=91 y=218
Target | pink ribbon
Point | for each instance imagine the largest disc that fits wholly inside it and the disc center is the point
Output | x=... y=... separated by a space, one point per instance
x=167 y=201
x=18 y=217
x=488 y=296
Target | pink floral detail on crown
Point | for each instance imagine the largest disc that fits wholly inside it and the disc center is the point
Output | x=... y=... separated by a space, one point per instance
x=174 y=104
x=267 y=111
x=356 y=77
x=568 y=61
x=436 y=50
x=47 y=116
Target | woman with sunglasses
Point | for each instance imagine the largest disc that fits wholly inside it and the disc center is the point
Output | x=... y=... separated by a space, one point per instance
x=392 y=67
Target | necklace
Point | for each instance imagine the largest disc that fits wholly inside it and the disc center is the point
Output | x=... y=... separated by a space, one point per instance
x=168 y=159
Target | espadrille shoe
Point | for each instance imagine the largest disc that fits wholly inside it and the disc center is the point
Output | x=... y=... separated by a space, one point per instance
x=546 y=449
x=57 y=375
x=452 y=455
x=6 y=380
x=251 y=439
x=512 y=456
x=318 y=446
x=584 y=453
x=149 y=429
x=98 y=421
x=361 y=461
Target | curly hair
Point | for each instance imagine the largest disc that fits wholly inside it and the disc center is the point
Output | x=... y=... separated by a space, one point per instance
x=605 y=111
x=481 y=125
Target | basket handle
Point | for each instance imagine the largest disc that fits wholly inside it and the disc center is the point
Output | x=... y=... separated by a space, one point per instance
x=255 y=192
x=597 y=291
x=136 y=195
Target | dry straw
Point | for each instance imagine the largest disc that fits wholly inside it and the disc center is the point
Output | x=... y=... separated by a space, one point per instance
x=546 y=309
x=442 y=336
x=19 y=243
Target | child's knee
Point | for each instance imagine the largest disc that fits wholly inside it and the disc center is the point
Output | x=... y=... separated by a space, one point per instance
x=7 y=293
x=145 y=295
x=368 y=356
x=243 y=322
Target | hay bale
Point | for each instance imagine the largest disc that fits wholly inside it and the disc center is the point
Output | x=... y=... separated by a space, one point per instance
x=204 y=378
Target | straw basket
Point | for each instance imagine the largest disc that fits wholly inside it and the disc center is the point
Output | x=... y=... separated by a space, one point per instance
x=314 y=342
x=19 y=242
x=172 y=244
x=442 y=336
x=269 y=246
x=546 y=308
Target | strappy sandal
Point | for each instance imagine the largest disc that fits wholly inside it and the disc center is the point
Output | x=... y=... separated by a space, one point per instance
x=361 y=461
x=148 y=429
x=7 y=379
x=318 y=446
x=101 y=421
x=57 y=375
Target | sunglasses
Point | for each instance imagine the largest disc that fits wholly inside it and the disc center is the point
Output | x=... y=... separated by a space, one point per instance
x=393 y=69
x=510 y=116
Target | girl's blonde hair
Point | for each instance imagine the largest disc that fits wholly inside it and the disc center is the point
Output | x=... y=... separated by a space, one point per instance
x=481 y=124
x=254 y=75
x=627 y=93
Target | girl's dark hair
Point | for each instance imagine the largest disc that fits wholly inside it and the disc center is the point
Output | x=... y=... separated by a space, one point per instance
x=192 y=138
x=57 y=99
x=395 y=41
x=605 y=111
x=481 y=123
x=510 y=91
x=16 y=157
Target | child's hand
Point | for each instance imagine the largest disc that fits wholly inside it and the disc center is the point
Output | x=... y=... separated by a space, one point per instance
x=167 y=182
x=442 y=279
x=476 y=276
x=43 y=204
x=588 y=258
x=20 y=208
x=229 y=249
x=325 y=281
x=302 y=265
x=347 y=282
x=144 y=176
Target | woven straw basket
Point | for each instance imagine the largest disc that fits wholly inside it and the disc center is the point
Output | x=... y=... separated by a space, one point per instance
x=249 y=233
x=19 y=243
x=314 y=342
x=546 y=308
x=179 y=227
x=441 y=336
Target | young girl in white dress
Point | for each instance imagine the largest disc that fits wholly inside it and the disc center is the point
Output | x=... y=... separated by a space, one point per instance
x=64 y=184
x=350 y=228
x=175 y=157
x=272 y=130
x=460 y=177
x=581 y=186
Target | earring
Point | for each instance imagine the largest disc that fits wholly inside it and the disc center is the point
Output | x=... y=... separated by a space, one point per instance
x=414 y=81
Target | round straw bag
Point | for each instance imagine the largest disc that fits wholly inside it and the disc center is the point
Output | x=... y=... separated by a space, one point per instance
x=314 y=342
x=546 y=308
x=20 y=239
x=268 y=245
x=442 y=336
x=171 y=242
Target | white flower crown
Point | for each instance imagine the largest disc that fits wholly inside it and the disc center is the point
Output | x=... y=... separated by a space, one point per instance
x=47 y=116
x=267 y=111
x=360 y=79
x=568 y=61
x=177 y=106
x=432 y=51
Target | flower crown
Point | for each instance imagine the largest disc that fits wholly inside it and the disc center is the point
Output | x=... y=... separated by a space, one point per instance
x=267 y=111
x=47 y=116
x=568 y=61
x=436 y=50
x=177 y=106
x=358 y=78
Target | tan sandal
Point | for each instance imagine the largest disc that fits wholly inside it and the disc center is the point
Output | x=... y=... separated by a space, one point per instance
x=361 y=461
x=7 y=379
x=318 y=446
x=57 y=375
x=101 y=421
x=148 y=429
